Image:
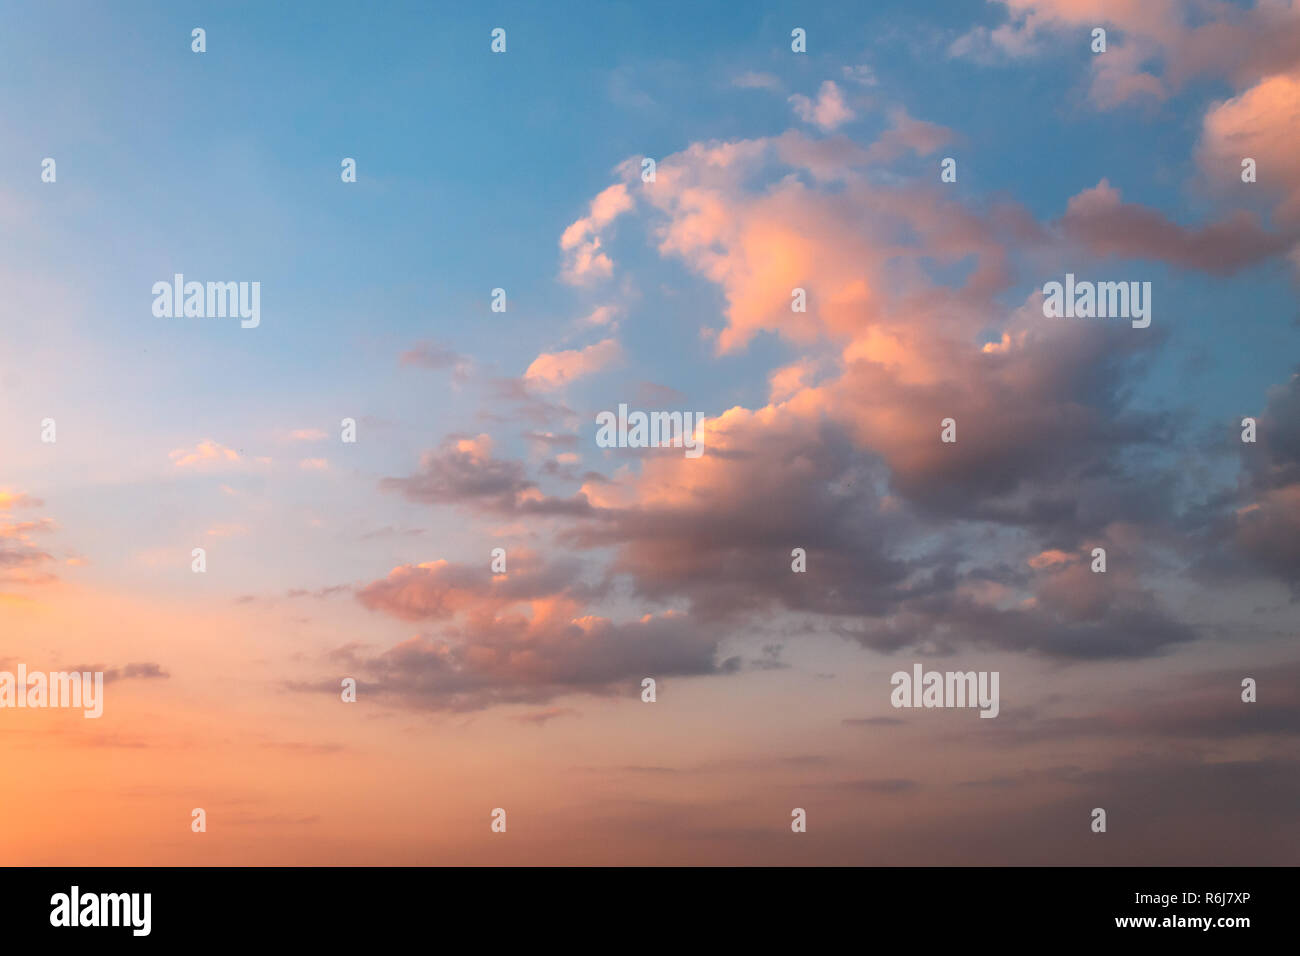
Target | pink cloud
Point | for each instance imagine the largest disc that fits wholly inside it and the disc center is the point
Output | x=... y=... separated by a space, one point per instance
x=1182 y=40
x=552 y=370
x=1262 y=123
x=1099 y=220
x=828 y=111
x=205 y=452
x=584 y=259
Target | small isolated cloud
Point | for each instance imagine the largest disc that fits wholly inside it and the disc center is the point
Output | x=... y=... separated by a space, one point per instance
x=826 y=112
x=307 y=434
x=206 y=452
x=556 y=369
x=314 y=464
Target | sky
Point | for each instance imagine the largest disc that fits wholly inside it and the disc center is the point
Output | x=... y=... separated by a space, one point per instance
x=476 y=428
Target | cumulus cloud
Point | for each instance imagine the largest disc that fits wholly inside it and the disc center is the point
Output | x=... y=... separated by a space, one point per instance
x=463 y=469
x=845 y=461
x=584 y=258
x=827 y=111
x=525 y=637
x=1262 y=124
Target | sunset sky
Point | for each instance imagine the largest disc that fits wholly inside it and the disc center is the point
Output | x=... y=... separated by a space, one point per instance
x=476 y=430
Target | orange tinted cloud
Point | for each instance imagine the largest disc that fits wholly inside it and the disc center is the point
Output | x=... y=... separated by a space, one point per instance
x=525 y=636
x=22 y=560
x=205 y=452
x=584 y=258
x=17 y=499
x=1262 y=123
x=556 y=369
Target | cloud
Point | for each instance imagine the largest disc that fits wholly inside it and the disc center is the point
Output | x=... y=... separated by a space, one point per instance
x=603 y=315
x=1261 y=123
x=907 y=134
x=1158 y=48
x=22 y=560
x=9 y=500
x=524 y=637
x=584 y=259
x=528 y=403
x=844 y=460
x=144 y=670
x=206 y=452
x=828 y=111
x=1099 y=221
x=463 y=469
x=552 y=370
x=851 y=466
